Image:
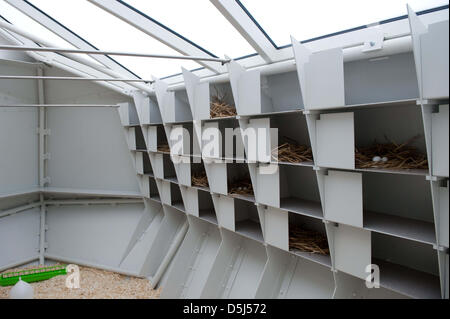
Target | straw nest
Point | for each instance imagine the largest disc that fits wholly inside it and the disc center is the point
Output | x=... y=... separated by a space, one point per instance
x=307 y=241
x=94 y=284
x=241 y=186
x=391 y=155
x=163 y=148
x=292 y=153
x=220 y=107
x=199 y=179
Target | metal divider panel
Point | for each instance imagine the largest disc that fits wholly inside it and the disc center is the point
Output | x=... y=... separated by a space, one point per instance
x=335 y=140
x=443 y=216
x=277 y=228
x=440 y=141
x=434 y=46
x=324 y=74
x=344 y=198
x=352 y=249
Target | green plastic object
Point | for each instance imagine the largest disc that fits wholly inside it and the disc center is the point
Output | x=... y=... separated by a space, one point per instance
x=32 y=275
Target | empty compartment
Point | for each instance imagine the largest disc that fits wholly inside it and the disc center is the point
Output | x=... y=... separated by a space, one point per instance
x=247 y=220
x=193 y=262
x=399 y=205
x=349 y=287
x=291 y=277
x=255 y=93
x=222 y=139
x=143 y=165
x=199 y=203
x=153 y=190
x=299 y=192
x=178 y=110
x=173 y=105
x=136 y=139
x=394 y=204
x=171 y=195
x=308 y=239
x=147 y=108
x=389 y=138
x=237 y=269
x=157 y=140
x=407 y=267
x=209 y=100
x=368 y=81
x=206 y=207
x=128 y=114
x=149 y=188
x=169 y=168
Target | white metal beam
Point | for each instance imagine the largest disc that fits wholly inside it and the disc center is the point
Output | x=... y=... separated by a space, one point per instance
x=71 y=62
x=156 y=31
x=66 y=34
x=231 y=10
x=103 y=52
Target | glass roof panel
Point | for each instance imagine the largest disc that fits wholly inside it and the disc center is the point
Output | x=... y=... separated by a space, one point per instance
x=201 y=23
x=21 y=20
x=108 y=32
x=308 y=19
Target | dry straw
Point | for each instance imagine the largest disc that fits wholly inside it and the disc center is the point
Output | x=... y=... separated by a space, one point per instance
x=241 y=186
x=399 y=156
x=199 y=179
x=163 y=148
x=307 y=240
x=219 y=105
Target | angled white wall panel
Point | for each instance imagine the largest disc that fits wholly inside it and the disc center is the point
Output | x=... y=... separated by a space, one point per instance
x=98 y=234
x=18 y=132
x=19 y=236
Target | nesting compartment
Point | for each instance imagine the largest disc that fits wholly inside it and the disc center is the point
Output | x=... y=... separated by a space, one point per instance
x=255 y=93
x=173 y=105
x=200 y=204
x=399 y=205
x=405 y=266
x=293 y=188
x=208 y=100
x=368 y=81
x=338 y=134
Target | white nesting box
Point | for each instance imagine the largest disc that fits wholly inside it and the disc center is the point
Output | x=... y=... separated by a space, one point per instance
x=173 y=105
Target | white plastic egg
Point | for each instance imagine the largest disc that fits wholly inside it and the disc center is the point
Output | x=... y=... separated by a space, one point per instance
x=376 y=159
x=384 y=159
x=21 y=290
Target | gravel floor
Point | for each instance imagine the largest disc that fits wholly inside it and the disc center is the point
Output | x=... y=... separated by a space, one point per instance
x=94 y=284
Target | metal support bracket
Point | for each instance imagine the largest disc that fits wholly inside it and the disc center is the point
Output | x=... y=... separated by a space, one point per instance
x=43 y=131
x=375 y=41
